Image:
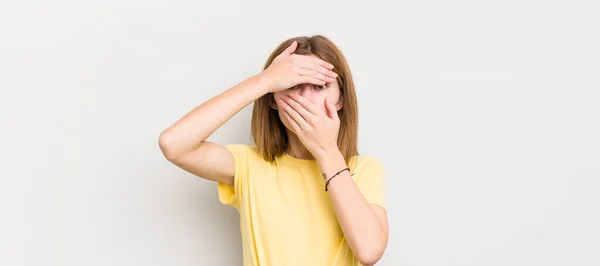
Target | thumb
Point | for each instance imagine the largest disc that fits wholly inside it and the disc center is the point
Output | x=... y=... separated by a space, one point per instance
x=290 y=50
x=331 y=110
x=287 y=52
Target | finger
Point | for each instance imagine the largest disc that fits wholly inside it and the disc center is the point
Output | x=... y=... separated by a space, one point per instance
x=310 y=80
x=288 y=51
x=311 y=65
x=331 y=110
x=306 y=114
x=296 y=108
x=294 y=124
x=305 y=103
x=320 y=62
x=291 y=48
x=315 y=74
x=303 y=125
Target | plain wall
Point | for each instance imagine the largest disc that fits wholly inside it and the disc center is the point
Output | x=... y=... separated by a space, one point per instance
x=485 y=115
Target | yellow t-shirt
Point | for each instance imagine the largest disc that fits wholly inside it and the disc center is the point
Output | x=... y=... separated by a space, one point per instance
x=286 y=216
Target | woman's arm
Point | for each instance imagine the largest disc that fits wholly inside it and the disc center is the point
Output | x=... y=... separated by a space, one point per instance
x=364 y=225
x=183 y=143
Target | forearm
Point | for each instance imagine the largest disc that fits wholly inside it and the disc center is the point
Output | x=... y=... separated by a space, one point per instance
x=197 y=125
x=362 y=229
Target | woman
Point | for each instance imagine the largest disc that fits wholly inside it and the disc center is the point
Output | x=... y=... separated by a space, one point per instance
x=304 y=195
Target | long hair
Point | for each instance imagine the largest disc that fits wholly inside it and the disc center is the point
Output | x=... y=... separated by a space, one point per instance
x=269 y=133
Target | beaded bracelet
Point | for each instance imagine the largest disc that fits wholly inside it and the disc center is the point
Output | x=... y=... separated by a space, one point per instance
x=327 y=183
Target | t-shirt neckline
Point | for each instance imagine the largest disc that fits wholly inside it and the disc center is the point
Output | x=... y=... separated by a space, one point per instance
x=297 y=161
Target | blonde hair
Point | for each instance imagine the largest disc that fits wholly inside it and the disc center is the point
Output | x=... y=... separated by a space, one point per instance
x=269 y=133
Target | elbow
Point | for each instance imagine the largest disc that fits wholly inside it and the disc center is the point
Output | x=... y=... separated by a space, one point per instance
x=165 y=143
x=369 y=257
x=371 y=254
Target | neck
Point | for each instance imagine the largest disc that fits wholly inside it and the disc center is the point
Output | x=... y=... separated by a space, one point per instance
x=296 y=148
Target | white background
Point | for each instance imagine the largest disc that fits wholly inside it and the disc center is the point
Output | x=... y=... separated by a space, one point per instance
x=485 y=114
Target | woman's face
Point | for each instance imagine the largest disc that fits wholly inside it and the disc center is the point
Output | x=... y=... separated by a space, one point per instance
x=314 y=93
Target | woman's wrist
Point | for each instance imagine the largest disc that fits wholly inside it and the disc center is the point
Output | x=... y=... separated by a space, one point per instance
x=263 y=82
x=327 y=156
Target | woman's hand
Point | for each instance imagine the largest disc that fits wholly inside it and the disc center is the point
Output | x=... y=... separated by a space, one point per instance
x=289 y=69
x=317 y=130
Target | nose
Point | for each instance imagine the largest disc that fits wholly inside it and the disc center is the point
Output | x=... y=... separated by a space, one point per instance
x=305 y=89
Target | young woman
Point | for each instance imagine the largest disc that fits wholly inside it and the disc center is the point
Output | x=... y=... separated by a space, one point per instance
x=304 y=194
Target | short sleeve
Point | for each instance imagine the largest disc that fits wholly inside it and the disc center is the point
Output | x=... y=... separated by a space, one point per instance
x=228 y=194
x=370 y=180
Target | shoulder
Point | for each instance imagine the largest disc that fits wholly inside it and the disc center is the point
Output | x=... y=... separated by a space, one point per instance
x=365 y=163
x=370 y=179
x=367 y=169
x=241 y=148
x=244 y=152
